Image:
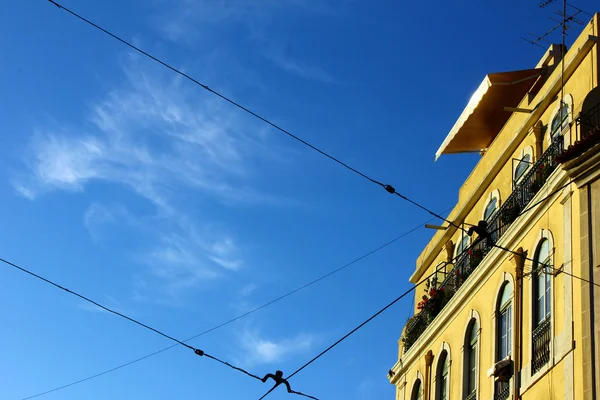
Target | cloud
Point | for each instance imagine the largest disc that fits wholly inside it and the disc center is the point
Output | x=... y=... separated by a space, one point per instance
x=156 y=138
x=207 y=22
x=259 y=350
x=152 y=137
x=183 y=20
x=301 y=69
x=248 y=289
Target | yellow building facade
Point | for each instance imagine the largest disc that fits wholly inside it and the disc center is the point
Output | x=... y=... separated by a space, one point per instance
x=513 y=309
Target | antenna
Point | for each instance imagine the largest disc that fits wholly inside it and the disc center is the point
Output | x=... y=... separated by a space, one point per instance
x=565 y=20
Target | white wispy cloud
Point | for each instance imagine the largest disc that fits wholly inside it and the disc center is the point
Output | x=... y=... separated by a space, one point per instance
x=152 y=136
x=261 y=350
x=157 y=138
x=207 y=22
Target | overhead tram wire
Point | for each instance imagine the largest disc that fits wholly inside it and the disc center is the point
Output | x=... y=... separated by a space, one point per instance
x=135 y=321
x=389 y=188
x=277 y=299
x=425 y=280
x=556 y=270
x=370 y=318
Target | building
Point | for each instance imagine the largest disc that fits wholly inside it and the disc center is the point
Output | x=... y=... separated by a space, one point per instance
x=512 y=313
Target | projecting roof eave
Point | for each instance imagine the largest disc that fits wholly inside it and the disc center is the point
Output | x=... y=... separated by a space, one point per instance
x=484 y=115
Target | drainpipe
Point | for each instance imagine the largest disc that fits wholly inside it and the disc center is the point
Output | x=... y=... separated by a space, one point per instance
x=428 y=362
x=519 y=261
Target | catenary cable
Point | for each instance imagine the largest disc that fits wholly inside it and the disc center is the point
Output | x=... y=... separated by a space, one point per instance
x=369 y=319
x=419 y=283
x=275 y=300
x=389 y=188
x=196 y=351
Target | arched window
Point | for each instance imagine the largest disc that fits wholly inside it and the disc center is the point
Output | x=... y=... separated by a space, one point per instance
x=522 y=164
x=462 y=244
x=504 y=335
x=461 y=247
x=522 y=167
x=441 y=377
x=560 y=120
x=541 y=286
x=470 y=372
x=491 y=208
x=505 y=321
x=542 y=306
x=417 y=392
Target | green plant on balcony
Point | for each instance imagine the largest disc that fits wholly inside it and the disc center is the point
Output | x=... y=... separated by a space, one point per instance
x=415 y=326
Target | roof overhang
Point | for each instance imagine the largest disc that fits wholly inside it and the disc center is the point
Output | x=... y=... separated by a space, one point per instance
x=484 y=115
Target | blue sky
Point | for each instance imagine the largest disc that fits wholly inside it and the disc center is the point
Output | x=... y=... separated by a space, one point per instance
x=140 y=190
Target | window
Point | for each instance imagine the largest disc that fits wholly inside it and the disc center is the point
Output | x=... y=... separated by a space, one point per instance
x=417 y=392
x=462 y=261
x=491 y=208
x=505 y=322
x=441 y=377
x=541 y=286
x=462 y=244
x=522 y=164
x=560 y=120
x=470 y=363
x=504 y=336
x=541 y=336
x=522 y=167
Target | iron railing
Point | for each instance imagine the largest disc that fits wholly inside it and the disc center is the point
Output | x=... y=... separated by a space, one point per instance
x=541 y=345
x=587 y=135
x=588 y=123
x=472 y=395
x=498 y=224
x=502 y=391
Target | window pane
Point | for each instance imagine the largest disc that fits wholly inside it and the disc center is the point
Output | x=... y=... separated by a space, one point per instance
x=472 y=368
x=491 y=208
x=522 y=166
x=560 y=120
x=508 y=330
x=506 y=295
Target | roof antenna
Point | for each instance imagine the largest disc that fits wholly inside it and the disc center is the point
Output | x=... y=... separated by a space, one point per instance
x=566 y=19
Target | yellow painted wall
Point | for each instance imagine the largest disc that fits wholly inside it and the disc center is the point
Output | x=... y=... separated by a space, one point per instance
x=480 y=294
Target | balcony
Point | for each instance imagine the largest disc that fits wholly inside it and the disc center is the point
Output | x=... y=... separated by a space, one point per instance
x=587 y=135
x=502 y=391
x=541 y=346
x=498 y=224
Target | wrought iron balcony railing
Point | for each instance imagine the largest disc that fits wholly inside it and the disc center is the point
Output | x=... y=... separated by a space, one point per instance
x=541 y=345
x=587 y=135
x=502 y=391
x=498 y=224
x=472 y=395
